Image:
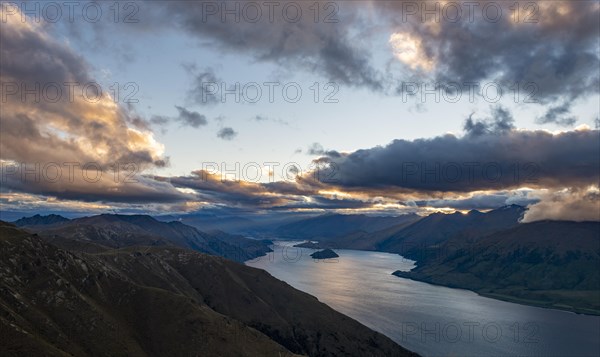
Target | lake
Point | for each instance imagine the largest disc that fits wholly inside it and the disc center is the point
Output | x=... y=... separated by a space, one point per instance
x=430 y=320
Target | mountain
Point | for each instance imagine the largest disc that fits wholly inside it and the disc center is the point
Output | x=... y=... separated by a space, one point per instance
x=38 y=220
x=360 y=240
x=414 y=240
x=163 y=301
x=237 y=222
x=211 y=222
x=413 y=236
x=110 y=231
x=547 y=263
x=330 y=226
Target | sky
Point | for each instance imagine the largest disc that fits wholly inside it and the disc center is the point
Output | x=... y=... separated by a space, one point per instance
x=376 y=107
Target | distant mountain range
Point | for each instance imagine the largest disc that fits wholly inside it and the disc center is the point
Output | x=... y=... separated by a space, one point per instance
x=404 y=234
x=159 y=301
x=414 y=240
x=110 y=231
x=548 y=263
x=258 y=225
x=38 y=220
x=328 y=227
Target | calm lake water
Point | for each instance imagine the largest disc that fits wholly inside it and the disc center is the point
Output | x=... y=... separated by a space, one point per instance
x=430 y=320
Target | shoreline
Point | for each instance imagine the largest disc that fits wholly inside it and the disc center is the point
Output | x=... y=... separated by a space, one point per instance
x=503 y=297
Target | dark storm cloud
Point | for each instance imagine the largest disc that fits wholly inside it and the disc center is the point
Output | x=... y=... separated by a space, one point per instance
x=226 y=133
x=488 y=161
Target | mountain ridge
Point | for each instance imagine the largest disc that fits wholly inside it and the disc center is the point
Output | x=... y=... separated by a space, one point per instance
x=161 y=301
x=110 y=231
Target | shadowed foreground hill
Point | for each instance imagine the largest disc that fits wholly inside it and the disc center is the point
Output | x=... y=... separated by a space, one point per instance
x=161 y=301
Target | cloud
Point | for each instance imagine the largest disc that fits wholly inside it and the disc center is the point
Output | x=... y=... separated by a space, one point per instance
x=190 y=118
x=275 y=196
x=87 y=182
x=262 y=118
x=553 y=55
x=64 y=122
x=185 y=118
x=317 y=149
x=487 y=161
x=572 y=204
x=205 y=86
x=481 y=201
x=324 y=47
x=501 y=121
x=559 y=114
x=549 y=48
x=54 y=142
x=213 y=188
x=227 y=133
